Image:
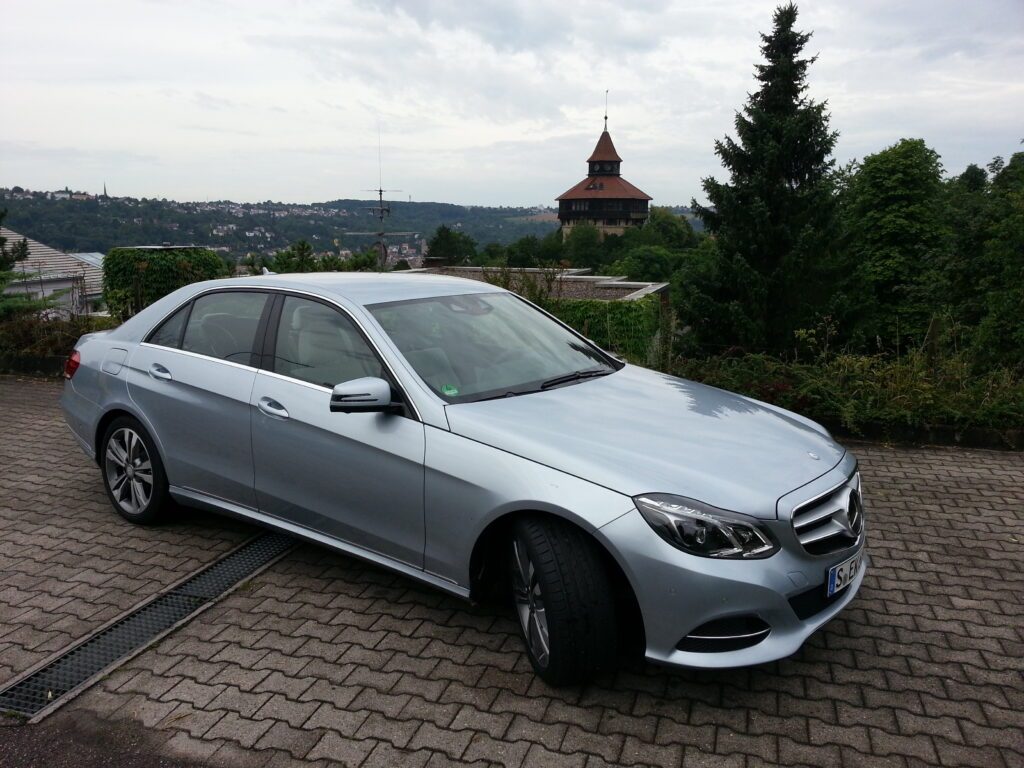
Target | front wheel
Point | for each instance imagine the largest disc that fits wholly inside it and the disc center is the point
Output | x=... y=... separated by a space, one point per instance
x=563 y=601
x=133 y=474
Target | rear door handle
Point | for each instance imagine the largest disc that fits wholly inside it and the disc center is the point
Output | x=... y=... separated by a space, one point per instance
x=157 y=371
x=271 y=407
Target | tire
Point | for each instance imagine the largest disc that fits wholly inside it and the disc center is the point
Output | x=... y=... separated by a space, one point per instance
x=133 y=473
x=559 y=584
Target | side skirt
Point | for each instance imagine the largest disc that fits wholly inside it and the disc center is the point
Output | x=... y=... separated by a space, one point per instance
x=220 y=506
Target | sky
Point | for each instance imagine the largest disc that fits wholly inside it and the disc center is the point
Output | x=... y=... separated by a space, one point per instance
x=484 y=102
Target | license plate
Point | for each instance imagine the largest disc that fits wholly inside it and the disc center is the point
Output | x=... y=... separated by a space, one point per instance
x=840 y=576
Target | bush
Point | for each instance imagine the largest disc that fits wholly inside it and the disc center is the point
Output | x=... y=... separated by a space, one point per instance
x=874 y=393
x=30 y=335
x=133 y=278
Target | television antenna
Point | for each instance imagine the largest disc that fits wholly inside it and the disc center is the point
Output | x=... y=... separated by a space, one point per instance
x=381 y=211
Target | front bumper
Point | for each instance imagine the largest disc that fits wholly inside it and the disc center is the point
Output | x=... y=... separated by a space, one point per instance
x=679 y=593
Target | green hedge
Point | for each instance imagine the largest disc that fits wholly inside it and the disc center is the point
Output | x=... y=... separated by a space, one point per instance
x=632 y=329
x=33 y=336
x=133 y=278
x=875 y=394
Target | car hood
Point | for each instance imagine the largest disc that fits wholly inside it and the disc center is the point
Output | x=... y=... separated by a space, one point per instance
x=638 y=431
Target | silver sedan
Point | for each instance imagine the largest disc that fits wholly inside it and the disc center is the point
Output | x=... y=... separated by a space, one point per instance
x=454 y=432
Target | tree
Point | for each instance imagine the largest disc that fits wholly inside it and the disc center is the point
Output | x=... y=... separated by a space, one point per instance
x=777 y=211
x=900 y=240
x=583 y=247
x=666 y=229
x=523 y=253
x=713 y=294
x=551 y=250
x=10 y=255
x=999 y=339
x=297 y=257
x=647 y=262
x=11 y=305
x=367 y=261
x=450 y=247
x=492 y=255
x=971 y=213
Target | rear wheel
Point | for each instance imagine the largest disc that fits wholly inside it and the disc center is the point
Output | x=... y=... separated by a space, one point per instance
x=563 y=601
x=133 y=474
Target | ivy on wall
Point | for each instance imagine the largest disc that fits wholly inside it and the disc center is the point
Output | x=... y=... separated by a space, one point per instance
x=632 y=329
x=133 y=278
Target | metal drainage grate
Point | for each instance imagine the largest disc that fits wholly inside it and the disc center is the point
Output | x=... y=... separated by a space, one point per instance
x=46 y=685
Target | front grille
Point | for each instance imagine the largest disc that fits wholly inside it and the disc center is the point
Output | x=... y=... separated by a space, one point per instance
x=833 y=522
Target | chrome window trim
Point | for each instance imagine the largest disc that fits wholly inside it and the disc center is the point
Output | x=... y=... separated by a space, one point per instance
x=286 y=291
x=197 y=355
x=293 y=380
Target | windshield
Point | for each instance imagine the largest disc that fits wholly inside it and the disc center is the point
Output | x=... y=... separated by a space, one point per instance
x=485 y=345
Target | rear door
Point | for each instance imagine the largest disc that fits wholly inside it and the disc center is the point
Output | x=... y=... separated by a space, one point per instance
x=354 y=476
x=192 y=378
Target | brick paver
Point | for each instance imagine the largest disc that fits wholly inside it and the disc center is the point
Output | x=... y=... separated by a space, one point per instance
x=323 y=660
x=67 y=564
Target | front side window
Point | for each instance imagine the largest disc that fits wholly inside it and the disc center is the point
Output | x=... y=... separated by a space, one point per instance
x=319 y=345
x=478 y=346
x=224 y=325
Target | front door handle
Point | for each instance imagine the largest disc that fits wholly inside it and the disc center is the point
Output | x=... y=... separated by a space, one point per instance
x=271 y=407
x=157 y=371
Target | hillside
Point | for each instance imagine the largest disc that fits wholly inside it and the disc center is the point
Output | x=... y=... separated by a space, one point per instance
x=99 y=224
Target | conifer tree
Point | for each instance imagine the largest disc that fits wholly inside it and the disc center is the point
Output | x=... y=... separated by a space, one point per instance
x=777 y=211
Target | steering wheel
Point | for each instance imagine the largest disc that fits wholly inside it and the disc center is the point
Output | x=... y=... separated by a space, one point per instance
x=222 y=343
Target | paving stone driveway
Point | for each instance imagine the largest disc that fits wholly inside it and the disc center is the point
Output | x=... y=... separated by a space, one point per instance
x=324 y=659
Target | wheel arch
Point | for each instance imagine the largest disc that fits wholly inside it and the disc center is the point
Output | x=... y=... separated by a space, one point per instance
x=487 y=578
x=114 y=412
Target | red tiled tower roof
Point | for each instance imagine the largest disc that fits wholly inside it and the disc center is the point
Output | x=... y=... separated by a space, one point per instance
x=605 y=150
x=604 y=187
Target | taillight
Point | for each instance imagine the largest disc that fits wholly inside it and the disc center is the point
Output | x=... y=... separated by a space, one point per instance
x=72 y=364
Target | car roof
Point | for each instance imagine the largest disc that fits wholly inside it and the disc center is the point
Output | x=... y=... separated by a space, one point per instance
x=367 y=288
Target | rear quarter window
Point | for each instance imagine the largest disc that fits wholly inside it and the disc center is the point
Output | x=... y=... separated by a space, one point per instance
x=168 y=333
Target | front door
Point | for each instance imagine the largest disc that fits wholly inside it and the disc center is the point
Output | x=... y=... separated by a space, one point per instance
x=354 y=476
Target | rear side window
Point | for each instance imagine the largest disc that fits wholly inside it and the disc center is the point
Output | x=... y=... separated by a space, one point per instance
x=224 y=325
x=168 y=334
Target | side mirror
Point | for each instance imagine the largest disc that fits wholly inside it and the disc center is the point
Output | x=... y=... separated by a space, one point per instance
x=366 y=395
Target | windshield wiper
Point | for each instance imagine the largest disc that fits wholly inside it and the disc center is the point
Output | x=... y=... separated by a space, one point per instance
x=574 y=376
x=510 y=393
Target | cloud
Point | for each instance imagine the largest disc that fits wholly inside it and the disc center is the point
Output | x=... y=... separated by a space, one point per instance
x=489 y=102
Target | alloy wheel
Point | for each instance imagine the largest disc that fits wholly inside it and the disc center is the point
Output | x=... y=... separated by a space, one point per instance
x=530 y=604
x=129 y=470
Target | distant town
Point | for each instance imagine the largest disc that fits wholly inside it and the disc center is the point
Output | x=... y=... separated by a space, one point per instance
x=83 y=221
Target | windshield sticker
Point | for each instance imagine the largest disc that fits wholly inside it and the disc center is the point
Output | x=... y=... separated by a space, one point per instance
x=449 y=390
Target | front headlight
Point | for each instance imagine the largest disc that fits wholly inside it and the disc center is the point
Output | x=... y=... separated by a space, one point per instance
x=701 y=529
